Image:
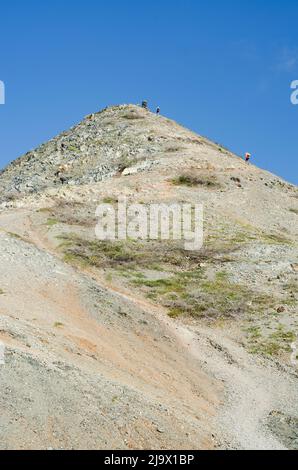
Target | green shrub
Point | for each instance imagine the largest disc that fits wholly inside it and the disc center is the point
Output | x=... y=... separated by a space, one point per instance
x=192 y=181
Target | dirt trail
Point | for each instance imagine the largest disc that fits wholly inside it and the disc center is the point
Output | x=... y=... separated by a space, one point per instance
x=252 y=389
x=115 y=344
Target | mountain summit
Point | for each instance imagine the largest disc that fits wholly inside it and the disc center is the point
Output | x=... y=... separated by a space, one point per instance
x=102 y=145
x=106 y=143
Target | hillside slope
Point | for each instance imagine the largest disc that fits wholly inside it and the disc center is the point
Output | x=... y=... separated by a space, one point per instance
x=140 y=344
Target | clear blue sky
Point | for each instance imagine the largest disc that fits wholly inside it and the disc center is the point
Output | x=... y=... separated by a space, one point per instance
x=222 y=68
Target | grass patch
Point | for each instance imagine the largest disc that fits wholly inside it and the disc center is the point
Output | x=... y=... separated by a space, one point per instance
x=277 y=342
x=244 y=236
x=249 y=233
x=110 y=200
x=294 y=211
x=15 y=235
x=132 y=116
x=72 y=148
x=174 y=149
x=51 y=222
x=156 y=255
x=101 y=254
x=190 y=293
x=184 y=290
x=274 y=239
x=71 y=213
x=44 y=210
x=193 y=181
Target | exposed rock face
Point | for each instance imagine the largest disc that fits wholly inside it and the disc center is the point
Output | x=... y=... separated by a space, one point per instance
x=102 y=145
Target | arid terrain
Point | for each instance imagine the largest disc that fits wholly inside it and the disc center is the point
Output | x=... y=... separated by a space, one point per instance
x=142 y=344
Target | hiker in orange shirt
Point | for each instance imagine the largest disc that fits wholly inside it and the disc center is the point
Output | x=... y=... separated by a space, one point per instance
x=247 y=157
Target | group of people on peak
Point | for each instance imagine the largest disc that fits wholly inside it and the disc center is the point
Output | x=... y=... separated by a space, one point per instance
x=145 y=106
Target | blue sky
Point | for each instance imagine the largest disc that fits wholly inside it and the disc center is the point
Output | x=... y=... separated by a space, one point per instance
x=222 y=68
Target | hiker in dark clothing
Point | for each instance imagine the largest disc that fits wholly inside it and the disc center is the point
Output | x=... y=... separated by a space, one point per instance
x=158 y=110
x=247 y=157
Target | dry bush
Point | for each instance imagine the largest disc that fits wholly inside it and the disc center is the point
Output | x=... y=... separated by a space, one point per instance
x=193 y=181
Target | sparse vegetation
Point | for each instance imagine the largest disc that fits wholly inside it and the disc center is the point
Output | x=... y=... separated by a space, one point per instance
x=132 y=115
x=185 y=287
x=70 y=213
x=19 y=237
x=222 y=148
x=126 y=162
x=131 y=254
x=273 y=344
x=173 y=149
x=194 y=294
x=44 y=210
x=110 y=200
x=51 y=222
x=274 y=239
x=192 y=181
x=242 y=234
x=72 y=148
x=15 y=235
